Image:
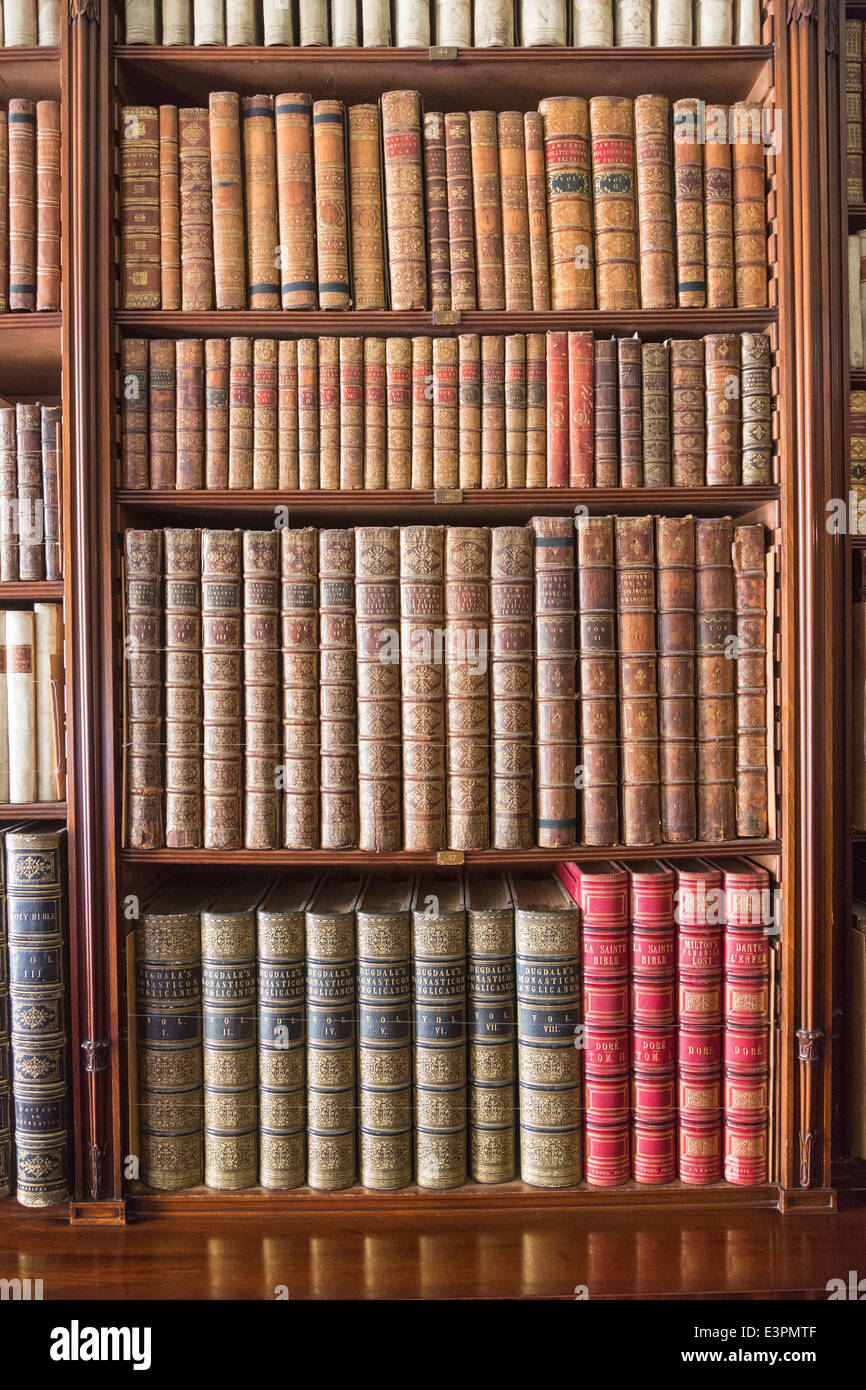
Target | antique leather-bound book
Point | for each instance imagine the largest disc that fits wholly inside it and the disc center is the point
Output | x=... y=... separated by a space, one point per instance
x=412 y=24
x=398 y=382
x=331 y=1034
x=140 y=23
x=569 y=202
x=688 y=412
x=261 y=561
x=541 y=25
x=515 y=212
x=351 y=473
x=31 y=556
x=858 y=670
x=581 y=432
x=675 y=551
x=20 y=24
x=854 y=109
x=385 y=1034
x=611 y=121
x=689 y=206
x=183 y=689
x=461 y=227
x=655 y=207
x=511 y=624
x=748 y=916
x=293 y=116
x=700 y=913
x=756 y=408
x=596 y=574
x=376 y=413
x=439 y=1015
x=453 y=23
x=469 y=409
x=50 y=715
x=446 y=460
x=633 y=23
x=35 y=876
x=299 y=644
x=308 y=414
x=487 y=209
x=140 y=275
x=338 y=736
x=715 y=624
x=656 y=390
x=750 y=206
x=714 y=22
x=555 y=681
x=344 y=24
x=329 y=164
x=436 y=201
x=190 y=413
x=558 y=423
x=169 y=208
x=365 y=198
x=313 y=23
x=260 y=199
x=377 y=624
x=515 y=410
x=282 y=1033
x=592 y=23
x=228 y=990
x=176 y=22
x=144 y=764
x=536 y=410
x=722 y=366
x=241 y=22
x=329 y=413
x=196 y=222
x=21 y=704
x=422 y=685
x=240 y=412
x=216 y=416
x=638 y=689
x=230 y=273
x=4 y=743
x=4 y=213
x=162 y=389
x=606 y=413
x=422 y=412
x=493 y=411
x=652 y=916
x=630 y=383
x=265 y=437
x=22 y=204
x=404 y=199
x=673 y=24
x=536 y=202
x=169 y=1035
x=547 y=947
x=718 y=210
x=491 y=1028
x=222 y=683
x=8 y=496
x=750 y=590
x=467 y=691
x=47 y=205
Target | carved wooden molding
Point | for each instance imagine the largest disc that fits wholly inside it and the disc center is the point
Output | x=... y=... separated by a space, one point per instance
x=809 y=1045
x=84 y=9
x=799 y=10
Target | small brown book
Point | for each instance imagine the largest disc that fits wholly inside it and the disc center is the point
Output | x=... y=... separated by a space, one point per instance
x=655 y=206
x=750 y=585
x=555 y=682
x=216 y=416
x=436 y=199
x=222 y=685
x=140 y=274
x=329 y=162
x=511 y=624
x=487 y=209
x=162 y=387
x=515 y=212
x=404 y=199
x=461 y=230
x=196 y=220
x=716 y=671
x=134 y=431
x=240 y=412
x=145 y=771
x=260 y=171
x=230 y=272
x=636 y=633
x=183 y=689
x=261 y=562
x=377 y=624
x=190 y=413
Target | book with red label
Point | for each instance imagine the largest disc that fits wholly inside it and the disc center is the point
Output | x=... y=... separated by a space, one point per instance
x=700 y=908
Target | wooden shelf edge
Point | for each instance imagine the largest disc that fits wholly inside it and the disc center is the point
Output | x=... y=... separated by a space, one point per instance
x=157 y=55
x=33 y=810
x=407 y=859
x=35 y=589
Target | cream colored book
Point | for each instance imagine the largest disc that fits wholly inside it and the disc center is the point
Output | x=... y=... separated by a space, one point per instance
x=376 y=23
x=747 y=22
x=4 y=730
x=19 y=23
x=344 y=24
x=453 y=23
x=21 y=704
x=277 y=22
x=592 y=23
x=48 y=23
x=714 y=23
x=50 y=758
x=412 y=23
x=634 y=23
x=673 y=23
x=493 y=24
x=542 y=22
x=240 y=23
x=313 y=21
x=176 y=22
x=209 y=22
x=855 y=321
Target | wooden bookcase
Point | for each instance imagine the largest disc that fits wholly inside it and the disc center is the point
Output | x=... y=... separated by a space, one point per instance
x=796 y=71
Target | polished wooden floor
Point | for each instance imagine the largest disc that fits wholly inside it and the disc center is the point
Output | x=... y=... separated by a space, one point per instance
x=663 y=1255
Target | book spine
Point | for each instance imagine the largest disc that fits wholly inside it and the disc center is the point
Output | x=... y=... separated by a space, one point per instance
x=240 y=412
x=261 y=562
x=487 y=209
x=493 y=411
x=689 y=207
x=746 y=1014
x=404 y=199
x=581 y=432
x=140 y=274
x=673 y=24
x=700 y=911
x=453 y=23
x=493 y=24
x=376 y=414
x=715 y=627
x=377 y=620
x=596 y=573
x=144 y=767
x=222 y=689
x=655 y=207
x=511 y=686
x=183 y=691
x=260 y=167
x=139 y=22
x=50 y=718
x=542 y=25
x=857 y=442
x=714 y=22
x=652 y=903
x=228 y=987
x=281 y=1048
x=190 y=413
x=555 y=682
x=675 y=549
x=446 y=415
x=515 y=212
x=375 y=23
x=398 y=384
x=293 y=115
x=329 y=164
x=422 y=630
x=344 y=24
x=412 y=24
x=22 y=204
x=308 y=414
x=569 y=202
x=351 y=413
x=606 y=414
x=638 y=688
x=536 y=203
x=169 y=1048
x=265 y=397
x=491 y=1030
x=299 y=645
x=209 y=22
x=329 y=413
x=854 y=109
x=467 y=694
x=169 y=208
x=240 y=22
x=216 y=418
x=469 y=409
x=439 y=997
x=196 y=225
x=314 y=23
x=630 y=412
x=536 y=410
x=52 y=453
x=422 y=412
x=8 y=494
x=461 y=226
x=337 y=680
x=756 y=407
x=162 y=391
x=557 y=410
x=384 y=1050
x=365 y=188
x=723 y=408
x=30 y=509
x=750 y=587
x=747 y=22
x=35 y=864
x=515 y=410
x=176 y=22
x=331 y=1047
x=718 y=210
x=48 y=21
x=436 y=199
x=227 y=196
x=4 y=751
x=656 y=374
x=688 y=412
x=21 y=705
x=633 y=23
x=750 y=206
x=602 y=892
x=611 y=122
x=4 y=214
x=47 y=205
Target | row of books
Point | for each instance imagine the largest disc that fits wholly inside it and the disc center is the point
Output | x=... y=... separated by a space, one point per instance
x=267 y=202
x=419 y=687
x=30 y=454
x=32 y=706
x=855 y=49
x=29 y=205
x=605 y=1022
x=34 y=1161
x=28 y=23
x=523 y=410
x=446 y=23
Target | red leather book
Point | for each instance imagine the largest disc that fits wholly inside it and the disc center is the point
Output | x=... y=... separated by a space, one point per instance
x=581 y=364
x=652 y=898
x=700 y=910
x=557 y=410
x=749 y=923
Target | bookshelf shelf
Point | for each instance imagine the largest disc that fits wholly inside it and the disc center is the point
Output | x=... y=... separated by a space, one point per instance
x=30 y=590
x=30 y=353
x=33 y=810
x=29 y=72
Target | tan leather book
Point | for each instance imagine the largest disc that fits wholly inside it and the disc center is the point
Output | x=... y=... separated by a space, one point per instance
x=183 y=689
x=536 y=204
x=162 y=388
x=189 y=357
x=230 y=271
x=351 y=413
x=222 y=684
x=140 y=275
x=446 y=462
x=630 y=391
x=265 y=400
x=718 y=210
x=169 y=208
x=511 y=639
x=384 y=936
x=688 y=412
x=439 y=997
x=9 y=495
x=329 y=162
x=569 y=202
x=216 y=423
x=293 y=121
x=329 y=413
x=493 y=411
x=422 y=412
x=404 y=199
x=4 y=216
x=240 y=412
x=716 y=627
x=50 y=706
x=241 y=23
x=261 y=561
x=134 y=444
x=47 y=205
x=196 y=222
x=308 y=414
x=469 y=409
x=365 y=192
x=422 y=629
x=655 y=204
x=689 y=206
x=436 y=201
x=287 y=415
x=750 y=589
x=398 y=374
x=611 y=121
x=756 y=405
x=723 y=408
x=493 y=24
x=176 y=22
x=377 y=622
x=536 y=410
x=467 y=693
x=260 y=197
x=375 y=413
x=515 y=410
x=515 y=211
x=638 y=688
x=555 y=682
x=675 y=549
x=299 y=645
x=656 y=370
x=30 y=500
x=487 y=209
x=338 y=730
x=461 y=226
x=145 y=826
x=750 y=206
x=596 y=574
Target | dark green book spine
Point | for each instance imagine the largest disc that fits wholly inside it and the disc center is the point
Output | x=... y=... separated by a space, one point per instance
x=282 y=1034
x=439 y=992
x=492 y=1049
x=5 y=1046
x=228 y=979
x=385 y=1049
x=34 y=898
x=331 y=1039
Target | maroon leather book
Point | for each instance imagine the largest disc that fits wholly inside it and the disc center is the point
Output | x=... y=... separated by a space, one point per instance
x=652 y=904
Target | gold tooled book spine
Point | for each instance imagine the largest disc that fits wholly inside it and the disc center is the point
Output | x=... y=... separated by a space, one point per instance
x=169 y=208
x=467 y=692
x=689 y=206
x=299 y=645
x=446 y=461
x=365 y=188
x=675 y=556
x=750 y=205
x=144 y=763
x=722 y=367
x=162 y=392
x=222 y=660
x=329 y=413
x=134 y=440
x=569 y=202
x=555 y=681
x=338 y=730
x=614 y=213
x=287 y=414
x=190 y=413
x=655 y=204
x=511 y=686
x=688 y=413
x=715 y=623
x=293 y=115
x=261 y=561
x=515 y=212
x=265 y=453
x=493 y=411
x=139 y=204
x=196 y=221
x=469 y=409
x=47 y=205
x=515 y=410
x=240 y=412
x=756 y=408
x=638 y=680
x=282 y=1036
x=216 y=419
x=536 y=203
x=308 y=414
x=750 y=586
x=656 y=370
x=422 y=412
x=384 y=1036
x=404 y=199
x=398 y=371
x=718 y=210
x=351 y=413
x=461 y=233
x=331 y=1041
x=375 y=413
x=596 y=628
x=491 y=1031
x=228 y=970
x=183 y=689
x=536 y=410
x=422 y=630
x=377 y=619
x=436 y=199
x=439 y=972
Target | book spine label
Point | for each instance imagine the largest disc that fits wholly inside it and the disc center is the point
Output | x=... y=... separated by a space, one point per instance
x=422 y=632
x=183 y=691
x=404 y=199
x=511 y=686
x=337 y=681
x=144 y=767
x=293 y=115
x=439 y=997
x=331 y=1048
x=636 y=622
x=555 y=682
x=377 y=618
x=299 y=618
x=261 y=562
x=222 y=689
x=228 y=986
x=384 y=1050
x=596 y=574
x=281 y=1048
